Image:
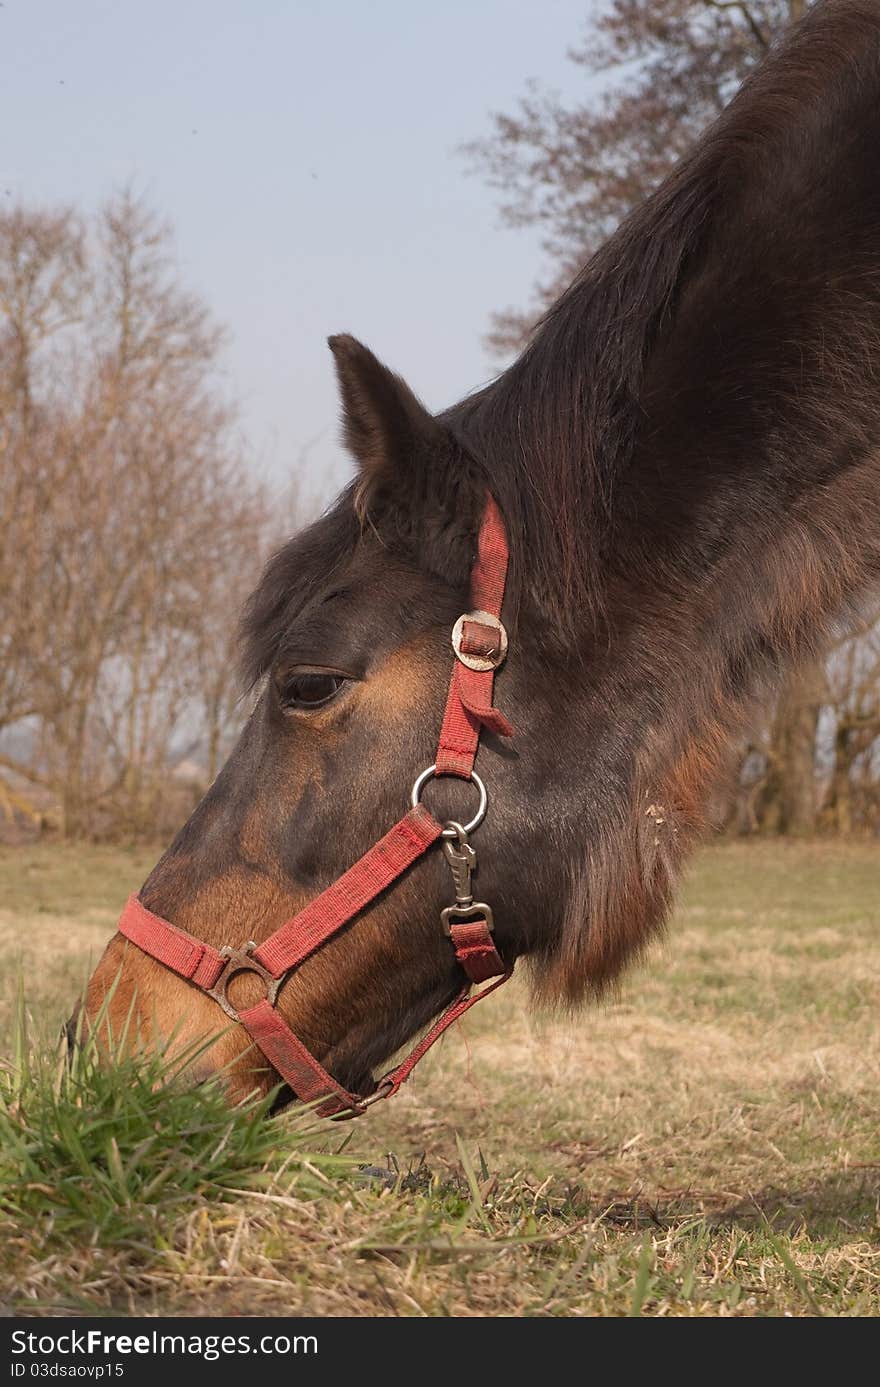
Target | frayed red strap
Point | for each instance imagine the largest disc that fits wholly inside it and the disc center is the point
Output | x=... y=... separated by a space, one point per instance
x=310 y=1081
x=469 y=705
x=475 y=950
x=297 y=1066
x=307 y=1077
x=489 y=573
x=192 y=958
x=463 y=1002
x=388 y=859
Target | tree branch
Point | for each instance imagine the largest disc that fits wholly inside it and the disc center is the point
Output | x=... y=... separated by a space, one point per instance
x=747 y=15
x=26 y=772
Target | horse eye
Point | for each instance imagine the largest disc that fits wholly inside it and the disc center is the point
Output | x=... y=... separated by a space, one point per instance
x=310 y=690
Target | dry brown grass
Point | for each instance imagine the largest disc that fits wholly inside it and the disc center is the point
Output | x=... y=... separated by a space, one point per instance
x=704 y=1144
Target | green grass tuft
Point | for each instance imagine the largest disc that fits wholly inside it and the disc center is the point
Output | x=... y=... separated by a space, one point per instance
x=111 y=1153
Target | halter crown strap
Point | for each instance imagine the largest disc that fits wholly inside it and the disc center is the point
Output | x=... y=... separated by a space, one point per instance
x=469 y=704
x=480 y=644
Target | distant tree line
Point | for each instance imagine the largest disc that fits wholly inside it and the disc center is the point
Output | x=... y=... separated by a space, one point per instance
x=129 y=526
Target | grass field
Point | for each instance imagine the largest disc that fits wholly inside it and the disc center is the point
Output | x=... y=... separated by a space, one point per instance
x=705 y=1144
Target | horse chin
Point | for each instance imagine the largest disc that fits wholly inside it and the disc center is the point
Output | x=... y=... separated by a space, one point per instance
x=285 y=1099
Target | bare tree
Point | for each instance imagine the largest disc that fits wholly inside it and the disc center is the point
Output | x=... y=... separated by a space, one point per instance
x=852 y=801
x=656 y=72
x=786 y=799
x=128 y=519
x=43 y=286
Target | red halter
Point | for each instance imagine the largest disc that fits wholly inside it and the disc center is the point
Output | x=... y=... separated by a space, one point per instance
x=480 y=644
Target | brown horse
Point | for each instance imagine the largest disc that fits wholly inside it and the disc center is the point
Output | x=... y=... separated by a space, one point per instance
x=687 y=461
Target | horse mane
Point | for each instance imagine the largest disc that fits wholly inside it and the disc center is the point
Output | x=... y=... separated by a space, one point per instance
x=555 y=432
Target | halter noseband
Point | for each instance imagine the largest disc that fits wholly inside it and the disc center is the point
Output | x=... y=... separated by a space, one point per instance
x=480 y=644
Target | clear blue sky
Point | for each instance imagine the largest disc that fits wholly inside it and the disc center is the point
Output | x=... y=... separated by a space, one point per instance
x=306 y=154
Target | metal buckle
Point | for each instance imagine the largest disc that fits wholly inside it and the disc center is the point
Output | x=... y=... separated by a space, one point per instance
x=493 y=658
x=457 y=914
x=383 y=1089
x=241 y=961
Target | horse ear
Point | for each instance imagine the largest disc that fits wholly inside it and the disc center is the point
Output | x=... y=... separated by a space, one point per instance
x=383 y=422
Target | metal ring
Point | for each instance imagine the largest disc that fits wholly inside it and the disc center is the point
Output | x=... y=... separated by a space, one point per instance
x=241 y=961
x=481 y=807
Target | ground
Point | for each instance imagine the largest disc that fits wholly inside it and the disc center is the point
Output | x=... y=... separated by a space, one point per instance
x=705 y=1143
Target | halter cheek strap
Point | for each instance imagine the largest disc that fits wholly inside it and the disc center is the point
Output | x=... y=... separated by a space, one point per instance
x=480 y=644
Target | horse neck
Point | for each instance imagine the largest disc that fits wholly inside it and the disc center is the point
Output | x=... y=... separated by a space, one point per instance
x=745 y=518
